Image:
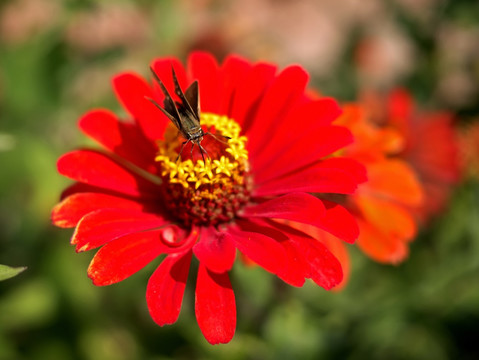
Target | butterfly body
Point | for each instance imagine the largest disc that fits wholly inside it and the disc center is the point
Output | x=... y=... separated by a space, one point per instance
x=185 y=114
x=190 y=127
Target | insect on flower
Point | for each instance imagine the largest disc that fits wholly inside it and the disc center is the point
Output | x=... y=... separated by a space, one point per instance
x=185 y=115
x=207 y=213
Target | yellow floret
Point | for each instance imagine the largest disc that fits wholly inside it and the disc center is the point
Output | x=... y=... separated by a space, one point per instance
x=225 y=171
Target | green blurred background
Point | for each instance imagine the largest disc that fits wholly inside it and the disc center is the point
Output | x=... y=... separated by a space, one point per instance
x=56 y=61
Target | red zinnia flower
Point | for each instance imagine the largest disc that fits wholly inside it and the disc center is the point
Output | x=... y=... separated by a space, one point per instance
x=136 y=201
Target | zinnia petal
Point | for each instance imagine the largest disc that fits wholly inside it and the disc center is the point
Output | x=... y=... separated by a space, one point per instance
x=392 y=219
x=68 y=212
x=324 y=269
x=381 y=246
x=324 y=177
x=300 y=207
x=215 y=306
x=286 y=88
x=162 y=67
x=339 y=222
x=309 y=149
x=124 y=256
x=395 y=180
x=97 y=169
x=79 y=187
x=249 y=91
x=216 y=250
x=308 y=115
x=105 y=225
x=262 y=249
x=295 y=270
x=204 y=68
x=233 y=71
x=333 y=244
x=133 y=93
x=166 y=287
x=124 y=139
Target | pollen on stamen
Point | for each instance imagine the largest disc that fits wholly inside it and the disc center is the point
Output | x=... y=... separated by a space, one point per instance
x=209 y=191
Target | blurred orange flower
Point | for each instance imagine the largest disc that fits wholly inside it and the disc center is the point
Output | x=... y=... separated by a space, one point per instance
x=431 y=145
x=412 y=161
x=384 y=205
x=469 y=145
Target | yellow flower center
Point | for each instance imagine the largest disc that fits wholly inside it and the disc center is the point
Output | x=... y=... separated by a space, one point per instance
x=210 y=191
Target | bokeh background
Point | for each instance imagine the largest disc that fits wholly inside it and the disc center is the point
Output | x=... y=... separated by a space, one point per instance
x=56 y=61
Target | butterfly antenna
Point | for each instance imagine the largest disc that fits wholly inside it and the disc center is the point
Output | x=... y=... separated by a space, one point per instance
x=216 y=138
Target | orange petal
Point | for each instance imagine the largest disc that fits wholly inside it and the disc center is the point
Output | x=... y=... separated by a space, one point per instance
x=380 y=246
x=395 y=180
x=389 y=218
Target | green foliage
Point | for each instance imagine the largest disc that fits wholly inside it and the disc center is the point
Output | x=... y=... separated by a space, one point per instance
x=7 y=272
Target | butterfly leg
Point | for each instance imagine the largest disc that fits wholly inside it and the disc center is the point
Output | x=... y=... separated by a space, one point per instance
x=181 y=149
x=203 y=150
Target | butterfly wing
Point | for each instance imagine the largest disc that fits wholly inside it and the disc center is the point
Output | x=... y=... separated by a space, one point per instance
x=169 y=107
x=192 y=96
x=189 y=98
